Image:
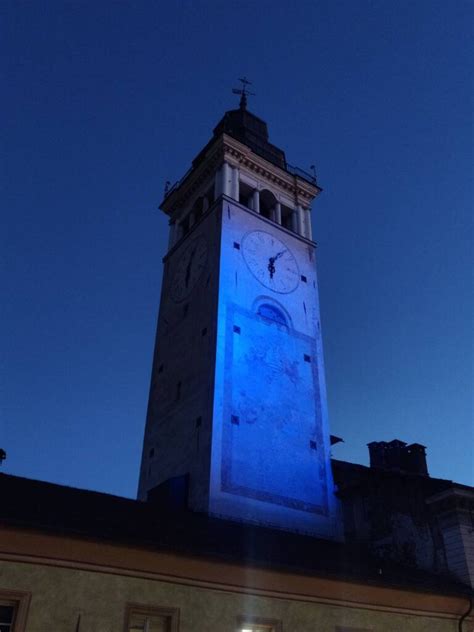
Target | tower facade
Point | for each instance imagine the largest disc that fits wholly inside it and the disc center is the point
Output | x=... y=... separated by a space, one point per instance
x=237 y=404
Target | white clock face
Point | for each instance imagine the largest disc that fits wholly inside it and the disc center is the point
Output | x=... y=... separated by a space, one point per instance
x=189 y=269
x=270 y=261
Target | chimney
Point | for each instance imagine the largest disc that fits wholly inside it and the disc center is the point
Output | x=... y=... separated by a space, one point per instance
x=396 y=455
x=416 y=459
x=377 y=453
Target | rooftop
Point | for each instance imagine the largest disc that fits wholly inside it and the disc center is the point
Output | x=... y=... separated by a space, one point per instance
x=36 y=505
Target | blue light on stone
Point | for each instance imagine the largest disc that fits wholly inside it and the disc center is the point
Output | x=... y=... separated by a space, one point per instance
x=270 y=459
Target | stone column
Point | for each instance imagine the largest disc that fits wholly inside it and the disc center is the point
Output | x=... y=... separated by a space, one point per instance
x=218 y=183
x=277 y=213
x=256 y=201
x=309 y=230
x=226 y=179
x=294 y=220
x=301 y=218
x=235 y=184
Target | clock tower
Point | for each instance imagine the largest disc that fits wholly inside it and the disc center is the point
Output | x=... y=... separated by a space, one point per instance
x=237 y=412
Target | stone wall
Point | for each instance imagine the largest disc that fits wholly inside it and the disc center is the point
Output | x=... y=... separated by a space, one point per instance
x=60 y=595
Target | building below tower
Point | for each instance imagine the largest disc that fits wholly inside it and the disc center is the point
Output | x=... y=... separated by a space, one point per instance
x=77 y=560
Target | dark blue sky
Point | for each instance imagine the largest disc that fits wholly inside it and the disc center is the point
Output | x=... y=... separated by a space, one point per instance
x=105 y=101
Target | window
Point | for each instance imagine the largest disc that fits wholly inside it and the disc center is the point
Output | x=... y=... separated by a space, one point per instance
x=257 y=624
x=7 y=615
x=140 y=618
x=13 y=610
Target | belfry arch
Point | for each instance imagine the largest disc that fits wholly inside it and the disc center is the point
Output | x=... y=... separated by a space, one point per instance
x=267 y=204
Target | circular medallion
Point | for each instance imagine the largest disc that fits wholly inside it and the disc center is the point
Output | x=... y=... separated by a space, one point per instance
x=270 y=261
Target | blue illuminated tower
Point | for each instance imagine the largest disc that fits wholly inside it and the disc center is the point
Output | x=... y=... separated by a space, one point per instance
x=237 y=410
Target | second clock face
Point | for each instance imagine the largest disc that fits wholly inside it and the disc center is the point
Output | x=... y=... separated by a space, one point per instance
x=270 y=261
x=191 y=264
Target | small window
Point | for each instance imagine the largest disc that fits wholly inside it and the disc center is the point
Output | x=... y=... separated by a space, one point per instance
x=178 y=390
x=236 y=245
x=257 y=624
x=13 y=610
x=140 y=618
x=303 y=278
x=160 y=369
x=236 y=329
x=313 y=445
x=198 y=422
x=7 y=616
x=204 y=331
x=151 y=453
x=185 y=309
x=235 y=420
x=307 y=358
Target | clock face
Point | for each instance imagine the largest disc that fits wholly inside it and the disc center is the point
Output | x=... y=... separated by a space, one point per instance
x=270 y=261
x=189 y=269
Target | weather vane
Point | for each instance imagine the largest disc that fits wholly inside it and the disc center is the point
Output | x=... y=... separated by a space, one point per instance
x=243 y=92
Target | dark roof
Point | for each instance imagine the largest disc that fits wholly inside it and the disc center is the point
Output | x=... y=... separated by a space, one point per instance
x=249 y=130
x=351 y=477
x=31 y=504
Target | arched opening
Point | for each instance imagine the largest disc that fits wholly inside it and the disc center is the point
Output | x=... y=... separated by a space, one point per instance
x=184 y=226
x=286 y=217
x=198 y=208
x=245 y=195
x=202 y=204
x=267 y=204
x=272 y=312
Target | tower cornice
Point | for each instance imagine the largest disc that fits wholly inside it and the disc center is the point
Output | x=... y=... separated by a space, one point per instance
x=228 y=149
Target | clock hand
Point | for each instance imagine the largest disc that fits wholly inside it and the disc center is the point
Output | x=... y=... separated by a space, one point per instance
x=271 y=263
x=271 y=266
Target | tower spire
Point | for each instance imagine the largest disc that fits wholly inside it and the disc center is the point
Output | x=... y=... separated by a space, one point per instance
x=244 y=92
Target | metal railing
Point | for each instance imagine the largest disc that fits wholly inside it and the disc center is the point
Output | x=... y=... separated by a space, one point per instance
x=296 y=171
x=170 y=190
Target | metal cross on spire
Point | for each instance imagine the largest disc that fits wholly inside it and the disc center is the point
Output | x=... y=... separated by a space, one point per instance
x=243 y=92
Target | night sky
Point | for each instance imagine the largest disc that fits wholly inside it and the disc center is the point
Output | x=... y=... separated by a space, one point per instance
x=105 y=101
